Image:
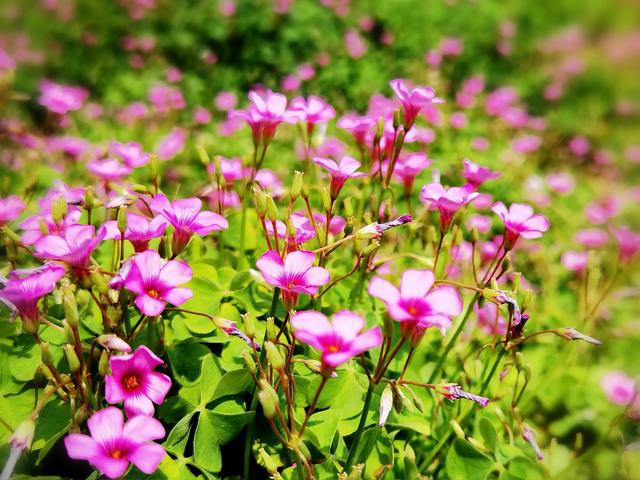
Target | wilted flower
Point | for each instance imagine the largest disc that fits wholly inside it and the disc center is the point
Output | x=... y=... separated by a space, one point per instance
x=375 y=230
x=413 y=100
x=570 y=333
x=530 y=438
x=20 y=441
x=452 y=391
x=155 y=282
x=447 y=200
x=520 y=221
x=295 y=275
x=10 y=208
x=114 y=343
x=134 y=382
x=338 y=340
x=140 y=230
x=187 y=219
x=114 y=444
x=340 y=172
x=25 y=287
x=417 y=305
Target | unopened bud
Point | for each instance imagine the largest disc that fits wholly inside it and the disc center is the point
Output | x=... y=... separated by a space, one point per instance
x=89 y=198
x=261 y=203
x=113 y=343
x=122 y=219
x=268 y=399
x=45 y=353
x=371 y=249
x=474 y=235
x=457 y=429
x=100 y=282
x=269 y=465
x=386 y=403
x=356 y=472
x=6 y=231
x=326 y=199
x=296 y=185
x=68 y=332
x=249 y=363
x=519 y=361
x=272 y=209
x=72 y=358
x=23 y=435
x=203 y=155
x=154 y=168
x=10 y=248
x=274 y=356
x=103 y=364
x=479 y=445
x=397 y=119
x=379 y=130
x=249 y=325
x=272 y=331
x=387 y=326
x=419 y=404
x=58 y=209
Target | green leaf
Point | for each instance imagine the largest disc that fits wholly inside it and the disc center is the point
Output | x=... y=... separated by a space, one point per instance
x=233 y=383
x=464 y=462
x=323 y=425
x=488 y=433
x=179 y=435
x=206 y=451
x=227 y=419
x=186 y=361
x=209 y=380
x=376 y=451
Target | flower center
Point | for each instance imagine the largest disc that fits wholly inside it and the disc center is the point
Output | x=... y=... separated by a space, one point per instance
x=333 y=348
x=117 y=454
x=412 y=310
x=130 y=382
x=153 y=293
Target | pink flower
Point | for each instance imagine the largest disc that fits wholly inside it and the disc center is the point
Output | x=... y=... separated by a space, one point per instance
x=72 y=146
x=10 y=208
x=201 y=116
x=450 y=46
x=314 y=109
x=458 y=120
x=354 y=43
x=114 y=444
x=171 y=144
x=36 y=227
x=165 y=98
x=134 y=382
x=591 y=238
x=131 y=153
x=561 y=183
x=339 y=339
x=477 y=174
x=108 y=169
x=628 y=243
x=25 y=287
x=227 y=8
x=526 y=144
x=187 y=219
x=520 y=221
x=295 y=275
x=61 y=99
x=619 y=388
x=481 y=223
x=452 y=391
x=265 y=113
x=579 y=146
x=74 y=248
x=231 y=169
x=140 y=230
x=601 y=211
x=447 y=200
x=290 y=83
x=155 y=282
x=417 y=306
x=489 y=319
x=357 y=125
x=409 y=166
x=480 y=143
x=574 y=261
x=225 y=101
x=413 y=100
x=340 y=172
x=305 y=71
x=269 y=181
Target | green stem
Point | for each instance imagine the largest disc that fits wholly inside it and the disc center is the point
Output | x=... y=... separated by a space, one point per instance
x=452 y=340
x=358 y=434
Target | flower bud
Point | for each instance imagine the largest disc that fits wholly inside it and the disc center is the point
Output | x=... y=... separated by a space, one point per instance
x=268 y=399
x=274 y=356
x=272 y=331
x=517 y=281
x=272 y=209
x=386 y=403
x=479 y=445
x=368 y=232
x=261 y=203
x=570 y=333
x=10 y=249
x=379 y=130
x=249 y=363
x=371 y=249
x=203 y=155
x=72 y=358
x=269 y=464
x=296 y=185
x=356 y=472
x=249 y=325
x=100 y=282
x=527 y=373
x=58 y=209
x=457 y=429
x=45 y=353
x=23 y=435
x=139 y=188
x=326 y=199
x=70 y=308
x=113 y=343
x=387 y=326
x=6 y=231
x=419 y=404
x=90 y=198
x=474 y=235
x=40 y=378
x=122 y=219
x=68 y=332
x=397 y=119
x=432 y=235
x=154 y=169
x=519 y=362
x=103 y=364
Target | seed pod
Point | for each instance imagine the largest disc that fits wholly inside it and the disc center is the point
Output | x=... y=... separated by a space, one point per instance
x=103 y=364
x=68 y=332
x=249 y=325
x=89 y=198
x=457 y=429
x=45 y=353
x=274 y=356
x=326 y=199
x=268 y=399
x=100 y=283
x=269 y=464
x=249 y=363
x=272 y=209
x=122 y=219
x=397 y=119
x=114 y=343
x=296 y=185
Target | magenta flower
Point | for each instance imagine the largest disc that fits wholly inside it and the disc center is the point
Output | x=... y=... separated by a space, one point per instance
x=295 y=275
x=231 y=169
x=72 y=146
x=74 y=248
x=338 y=340
x=313 y=110
x=591 y=238
x=265 y=113
x=114 y=444
x=490 y=320
x=171 y=144
x=109 y=169
x=340 y=172
x=134 y=382
x=140 y=230
x=10 y=208
x=187 y=219
x=61 y=99
x=409 y=167
x=574 y=261
x=452 y=391
x=619 y=388
x=165 y=98
x=413 y=100
x=155 y=282
x=131 y=153
x=447 y=200
x=417 y=306
x=357 y=125
x=520 y=221
x=25 y=287
x=628 y=243
x=476 y=174
x=36 y=227
x=526 y=144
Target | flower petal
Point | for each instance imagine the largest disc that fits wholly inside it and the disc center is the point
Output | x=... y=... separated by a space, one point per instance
x=147 y=457
x=157 y=386
x=143 y=429
x=81 y=447
x=347 y=324
x=416 y=283
x=106 y=424
x=380 y=288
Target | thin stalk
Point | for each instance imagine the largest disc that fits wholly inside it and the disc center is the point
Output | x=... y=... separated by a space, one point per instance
x=361 y=424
